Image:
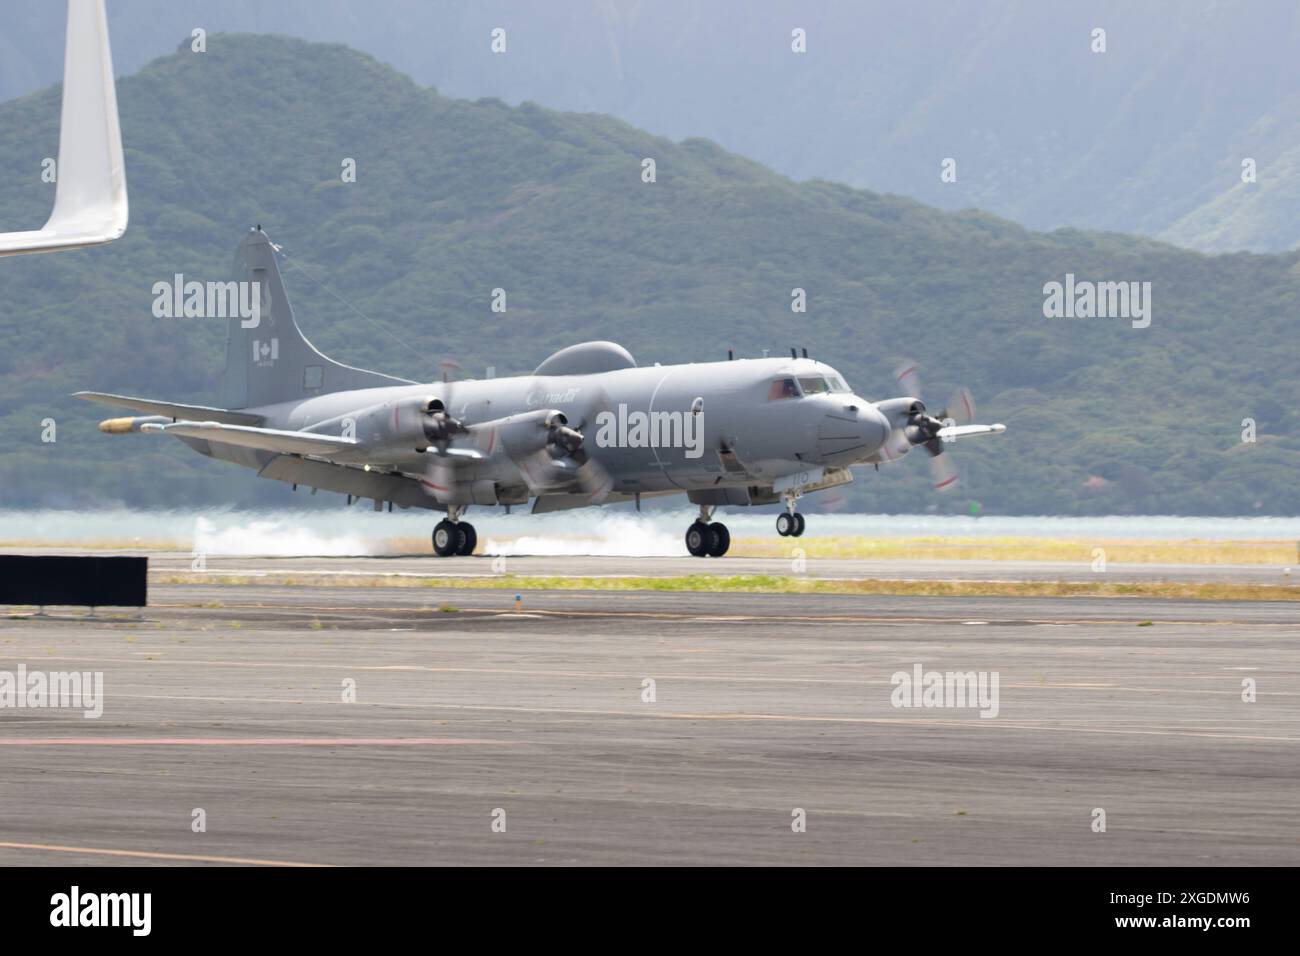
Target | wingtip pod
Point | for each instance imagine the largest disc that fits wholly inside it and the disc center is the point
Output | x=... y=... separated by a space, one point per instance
x=138 y=423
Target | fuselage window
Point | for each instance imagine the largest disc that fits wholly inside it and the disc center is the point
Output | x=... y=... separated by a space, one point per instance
x=783 y=388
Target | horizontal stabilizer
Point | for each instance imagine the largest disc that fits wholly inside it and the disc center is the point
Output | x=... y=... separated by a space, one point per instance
x=172 y=409
x=263 y=439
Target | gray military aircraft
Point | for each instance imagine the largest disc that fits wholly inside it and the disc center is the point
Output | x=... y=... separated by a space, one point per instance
x=588 y=426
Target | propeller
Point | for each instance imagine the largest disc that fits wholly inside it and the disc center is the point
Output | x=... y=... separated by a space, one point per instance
x=569 y=457
x=439 y=479
x=551 y=462
x=440 y=475
x=561 y=461
x=592 y=476
x=930 y=431
x=440 y=427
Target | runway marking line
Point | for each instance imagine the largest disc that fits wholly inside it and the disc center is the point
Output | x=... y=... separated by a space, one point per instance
x=1098 y=683
x=1001 y=723
x=435 y=614
x=152 y=855
x=242 y=741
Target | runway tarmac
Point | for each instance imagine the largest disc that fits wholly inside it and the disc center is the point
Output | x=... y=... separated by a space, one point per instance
x=229 y=699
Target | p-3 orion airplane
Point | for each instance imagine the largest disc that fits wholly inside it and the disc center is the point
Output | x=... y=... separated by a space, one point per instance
x=588 y=426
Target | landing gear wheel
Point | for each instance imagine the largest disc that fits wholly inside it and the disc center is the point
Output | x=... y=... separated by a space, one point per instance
x=468 y=538
x=721 y=539
x=799 y=525
x=446 y=538
x=700 y=539
x=785 y=524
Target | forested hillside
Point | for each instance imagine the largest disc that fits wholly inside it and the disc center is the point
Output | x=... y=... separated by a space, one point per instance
x=454 y=198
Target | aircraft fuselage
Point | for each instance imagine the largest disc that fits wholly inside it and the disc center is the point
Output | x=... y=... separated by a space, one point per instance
x=655 y=428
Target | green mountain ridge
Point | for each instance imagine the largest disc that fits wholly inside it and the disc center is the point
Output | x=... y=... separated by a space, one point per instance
x=456 y=198
x=1146 y=137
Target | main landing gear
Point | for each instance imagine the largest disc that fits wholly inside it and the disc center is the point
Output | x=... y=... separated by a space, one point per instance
x=453 y=536
x=706 y=539
x=790 y=524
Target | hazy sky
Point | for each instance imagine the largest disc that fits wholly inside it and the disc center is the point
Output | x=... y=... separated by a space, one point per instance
x=1146 y=135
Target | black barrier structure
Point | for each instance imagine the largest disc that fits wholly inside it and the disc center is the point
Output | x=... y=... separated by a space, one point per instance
x=57 y=579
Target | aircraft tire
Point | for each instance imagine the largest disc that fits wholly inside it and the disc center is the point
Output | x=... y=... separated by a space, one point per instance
x=799 y=525
x=721 y=539
x=785 y=524
x=699 y=538
x=468 y=538
x=446 y=538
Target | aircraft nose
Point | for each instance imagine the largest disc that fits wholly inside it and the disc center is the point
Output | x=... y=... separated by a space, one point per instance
x=850 y=432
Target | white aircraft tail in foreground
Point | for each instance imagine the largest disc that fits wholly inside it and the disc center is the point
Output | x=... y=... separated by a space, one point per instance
x=90 y=206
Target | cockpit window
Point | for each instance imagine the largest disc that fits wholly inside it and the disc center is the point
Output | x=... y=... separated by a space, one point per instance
x=783 y=388
x=837 y=384
x=814 y=386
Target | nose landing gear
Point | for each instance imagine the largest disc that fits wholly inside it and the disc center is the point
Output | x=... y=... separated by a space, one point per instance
x=706 y=539
x=453 y=536
x=791 y=524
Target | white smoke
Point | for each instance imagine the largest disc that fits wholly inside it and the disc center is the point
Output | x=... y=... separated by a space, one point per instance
x=273 y=537
x=610 y=536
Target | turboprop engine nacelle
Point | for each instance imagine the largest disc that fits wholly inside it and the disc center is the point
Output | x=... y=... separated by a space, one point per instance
x=898 y=411
x=406 y=425
x=531 y=432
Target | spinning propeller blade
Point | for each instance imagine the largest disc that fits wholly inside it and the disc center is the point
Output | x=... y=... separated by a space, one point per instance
x=934 y=432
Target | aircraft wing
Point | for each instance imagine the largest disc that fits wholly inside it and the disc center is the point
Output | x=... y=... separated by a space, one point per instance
x=464 y=454
x=962 y=431
x=172 y=409
x=263 y=439
x=545 y=504
x=90 y=205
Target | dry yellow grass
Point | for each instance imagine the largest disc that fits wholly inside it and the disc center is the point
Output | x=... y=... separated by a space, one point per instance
x=1120 y=551
x=98 y=544
x=772 y=584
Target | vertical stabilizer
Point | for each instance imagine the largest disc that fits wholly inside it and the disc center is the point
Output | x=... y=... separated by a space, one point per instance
x=268 y=359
